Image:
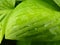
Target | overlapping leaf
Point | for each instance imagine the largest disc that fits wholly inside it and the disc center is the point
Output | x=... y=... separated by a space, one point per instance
x=30 y=20
x=7 y=4
x=57 y=2
x=34 y=20
x=5 y=8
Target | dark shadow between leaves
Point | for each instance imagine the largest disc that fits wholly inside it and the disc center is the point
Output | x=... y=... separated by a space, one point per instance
x=50 y=4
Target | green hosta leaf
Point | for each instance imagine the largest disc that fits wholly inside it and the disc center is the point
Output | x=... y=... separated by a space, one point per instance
x=3 y=14
x=7 y=4
x=57 y=2
x=34 y=19
x=1 y=35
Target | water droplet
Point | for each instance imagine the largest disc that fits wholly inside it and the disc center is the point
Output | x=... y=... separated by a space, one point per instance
x=35 y=23
x=35 y=28
x=53 y=30
x=29 y=25
x=46 y=25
